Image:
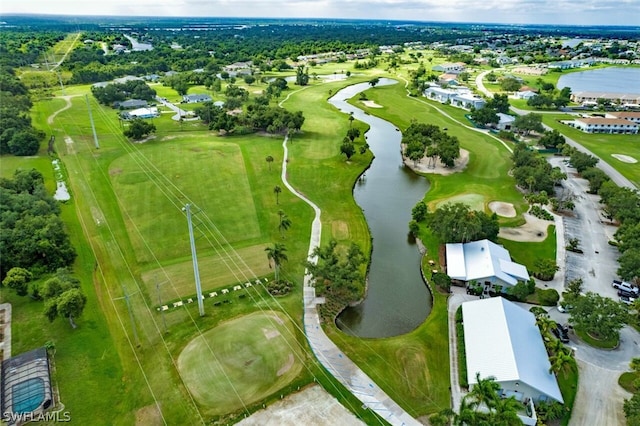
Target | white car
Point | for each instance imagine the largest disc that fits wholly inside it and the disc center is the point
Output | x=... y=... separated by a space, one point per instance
x=621 y=285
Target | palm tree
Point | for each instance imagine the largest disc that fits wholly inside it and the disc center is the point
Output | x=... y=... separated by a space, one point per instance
x=545 y=324
x=561 y=362
x=484 y=392
x=269 y=161
x=277 y=190
x=555 y=346
x=530 y=181
x=351 y=118
x=277 y=255
x=285 y=223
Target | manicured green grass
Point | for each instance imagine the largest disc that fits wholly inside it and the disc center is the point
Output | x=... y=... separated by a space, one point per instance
x=526 y=253
x=627 y=381
x=225 y=373
x=489 y=161
x=602 y=145
x=596 y=343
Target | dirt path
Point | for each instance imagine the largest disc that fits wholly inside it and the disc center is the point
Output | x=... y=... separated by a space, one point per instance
x=64 y=108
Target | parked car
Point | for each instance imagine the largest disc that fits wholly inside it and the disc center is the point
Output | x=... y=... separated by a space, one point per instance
x=621 y=285
x=629 y=294
x=561 y=332
x=564 y=307
x=626 y=300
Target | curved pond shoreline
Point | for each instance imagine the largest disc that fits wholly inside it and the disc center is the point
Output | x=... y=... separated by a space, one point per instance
x=397 y=299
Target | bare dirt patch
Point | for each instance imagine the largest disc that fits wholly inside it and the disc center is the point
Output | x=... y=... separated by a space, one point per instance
x=371 y=104
x=534 y=230
x=270 y=333
x=287 y=365
x=502 y=209
x=311 y=406
x=71 y=149
x=624 y=158
x=148 y=415
x=428 y=165
x=115 y=172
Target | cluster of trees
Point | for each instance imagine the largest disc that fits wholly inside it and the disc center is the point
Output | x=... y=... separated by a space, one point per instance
x=533 y=172
x=456 y=223
x=139 y=129
x=338 y=276
x=348 y=147
x=17 y=136
x=22 y=48
x=118 y=92
x=631 y=406
x=422 y=140
x=549 y=97
x=257 y=117
x=32 y=235
x=62 y=293
x=488 y=114
x=528 y=123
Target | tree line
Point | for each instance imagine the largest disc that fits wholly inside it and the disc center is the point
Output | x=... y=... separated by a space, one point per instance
x=118 y=92
x=420 y=140
x=17 y=135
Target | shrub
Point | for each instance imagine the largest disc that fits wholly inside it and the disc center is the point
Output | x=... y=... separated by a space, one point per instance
x=279 y=288
x=540 y=213
x=548 y=296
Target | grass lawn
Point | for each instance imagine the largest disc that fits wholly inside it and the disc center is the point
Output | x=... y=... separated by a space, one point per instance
x=602 y=145
x=627 y=381
x=225 y=373
x=526 y=253
x=486 y=176
x=596 y=343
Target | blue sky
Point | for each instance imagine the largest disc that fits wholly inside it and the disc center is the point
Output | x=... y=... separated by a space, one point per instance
x=573 y=12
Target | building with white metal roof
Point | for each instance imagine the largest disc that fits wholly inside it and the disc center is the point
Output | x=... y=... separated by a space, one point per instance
x=485 y=262
x=503 y=341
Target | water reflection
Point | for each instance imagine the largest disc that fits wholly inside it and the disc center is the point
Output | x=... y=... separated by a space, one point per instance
x=397 y=299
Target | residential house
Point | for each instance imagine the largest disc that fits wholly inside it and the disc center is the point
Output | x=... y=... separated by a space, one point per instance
x=503 y=341
x=140 y=113
x=130 y=104
x=505 y=121
x=195 y=98
x=605 y=125
x=526 y=94
x=486 y=263
x=615 y=98
x=625 y=115
x=449 y=67
x=460 y=97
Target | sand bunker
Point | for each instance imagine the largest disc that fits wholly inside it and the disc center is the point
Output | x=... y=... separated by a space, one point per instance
x=502 y=209
x=371 y=104
x=624 y=158
x=534 y=230
x=287 y=365
x=427 y=165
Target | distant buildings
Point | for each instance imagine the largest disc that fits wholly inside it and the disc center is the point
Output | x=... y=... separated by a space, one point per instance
x=459 y=97
x=605 y=125
x=616 y=98
x=196 y=98
x=450 y=68
x=140 y=113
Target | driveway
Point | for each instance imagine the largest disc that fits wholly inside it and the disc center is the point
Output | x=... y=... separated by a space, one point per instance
x=597 y=266
x=179 y=112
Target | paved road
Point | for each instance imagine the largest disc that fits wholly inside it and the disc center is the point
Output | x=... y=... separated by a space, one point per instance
x=179 y=112
x=329 y=355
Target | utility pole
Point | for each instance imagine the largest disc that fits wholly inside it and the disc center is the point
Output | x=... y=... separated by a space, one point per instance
x=93 y=126
x=196 y=273
x=133 y=324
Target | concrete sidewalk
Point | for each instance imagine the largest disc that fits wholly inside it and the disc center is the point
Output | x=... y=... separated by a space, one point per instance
x=329 y=355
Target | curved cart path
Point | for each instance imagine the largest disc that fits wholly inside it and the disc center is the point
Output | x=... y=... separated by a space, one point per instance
x=329 y=355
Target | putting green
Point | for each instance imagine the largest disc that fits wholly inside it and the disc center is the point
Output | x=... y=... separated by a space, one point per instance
x=474 y=201
x=241 y=361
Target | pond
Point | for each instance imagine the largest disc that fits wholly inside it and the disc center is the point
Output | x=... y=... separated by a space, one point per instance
x=611 y=80
x=397 y=299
